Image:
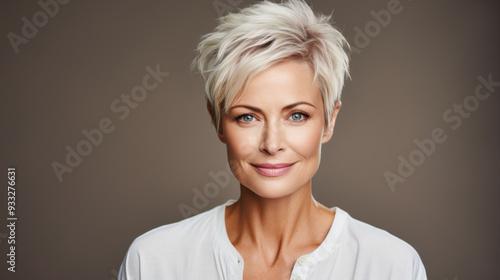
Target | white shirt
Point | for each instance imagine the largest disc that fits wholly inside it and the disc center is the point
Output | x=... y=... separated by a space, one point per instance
x=199 y=248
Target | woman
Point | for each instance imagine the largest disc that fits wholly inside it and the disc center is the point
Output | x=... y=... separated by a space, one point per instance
x=274 y=74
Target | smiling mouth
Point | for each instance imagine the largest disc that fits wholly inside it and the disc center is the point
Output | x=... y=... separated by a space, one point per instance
x=273 y=170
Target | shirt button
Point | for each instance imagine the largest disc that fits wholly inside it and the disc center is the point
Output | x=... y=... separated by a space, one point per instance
x=296 y=278
x=302 y=261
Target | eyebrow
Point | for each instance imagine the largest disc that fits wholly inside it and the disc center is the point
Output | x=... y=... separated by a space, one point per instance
x=287 y=107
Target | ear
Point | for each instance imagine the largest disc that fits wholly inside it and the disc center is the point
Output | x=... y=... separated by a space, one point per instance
x=219 y=132
x=328 y=133
x=221 y=136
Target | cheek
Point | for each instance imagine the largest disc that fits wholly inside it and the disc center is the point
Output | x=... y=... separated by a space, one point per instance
x=305 y=141
x=240 y=145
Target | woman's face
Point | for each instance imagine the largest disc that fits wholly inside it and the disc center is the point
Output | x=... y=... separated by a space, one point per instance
x=275 y=131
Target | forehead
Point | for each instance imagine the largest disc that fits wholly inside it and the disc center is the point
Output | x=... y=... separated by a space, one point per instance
x=285 y=82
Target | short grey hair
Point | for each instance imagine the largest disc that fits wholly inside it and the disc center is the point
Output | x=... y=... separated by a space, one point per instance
x=259 y=36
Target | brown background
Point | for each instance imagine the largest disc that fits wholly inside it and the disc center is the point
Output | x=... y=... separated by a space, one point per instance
x=64 y=79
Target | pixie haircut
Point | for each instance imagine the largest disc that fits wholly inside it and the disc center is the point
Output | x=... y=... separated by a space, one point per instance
x=259 y=36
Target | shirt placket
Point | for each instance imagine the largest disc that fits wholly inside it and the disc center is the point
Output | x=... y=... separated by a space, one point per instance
x=301 y=268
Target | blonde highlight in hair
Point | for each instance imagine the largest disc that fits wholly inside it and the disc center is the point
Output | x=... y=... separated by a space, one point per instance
x=259 y=36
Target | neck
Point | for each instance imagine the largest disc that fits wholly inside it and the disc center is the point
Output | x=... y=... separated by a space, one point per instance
x=276 y=224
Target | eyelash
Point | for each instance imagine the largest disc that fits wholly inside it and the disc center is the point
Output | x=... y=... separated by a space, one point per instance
x=303 y=113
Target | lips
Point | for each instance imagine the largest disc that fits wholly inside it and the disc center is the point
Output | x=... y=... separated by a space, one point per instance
x=273 y=170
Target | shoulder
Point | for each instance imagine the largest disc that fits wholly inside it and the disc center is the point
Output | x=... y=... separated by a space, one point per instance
x=376 y=246
x=373 y=237
x=160 y=252
x=180 y=233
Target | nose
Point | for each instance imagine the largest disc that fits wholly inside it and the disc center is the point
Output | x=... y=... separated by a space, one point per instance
x=272 y=141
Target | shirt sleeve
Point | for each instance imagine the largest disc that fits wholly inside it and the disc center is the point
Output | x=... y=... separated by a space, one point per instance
x=130 y=268
x=419 y=272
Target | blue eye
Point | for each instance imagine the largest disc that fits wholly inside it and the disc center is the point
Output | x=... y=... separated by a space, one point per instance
x=296 y=116
x=299 y=116
x=245 y=118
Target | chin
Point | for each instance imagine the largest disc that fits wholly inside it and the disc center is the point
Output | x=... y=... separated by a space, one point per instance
x=274 y=188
